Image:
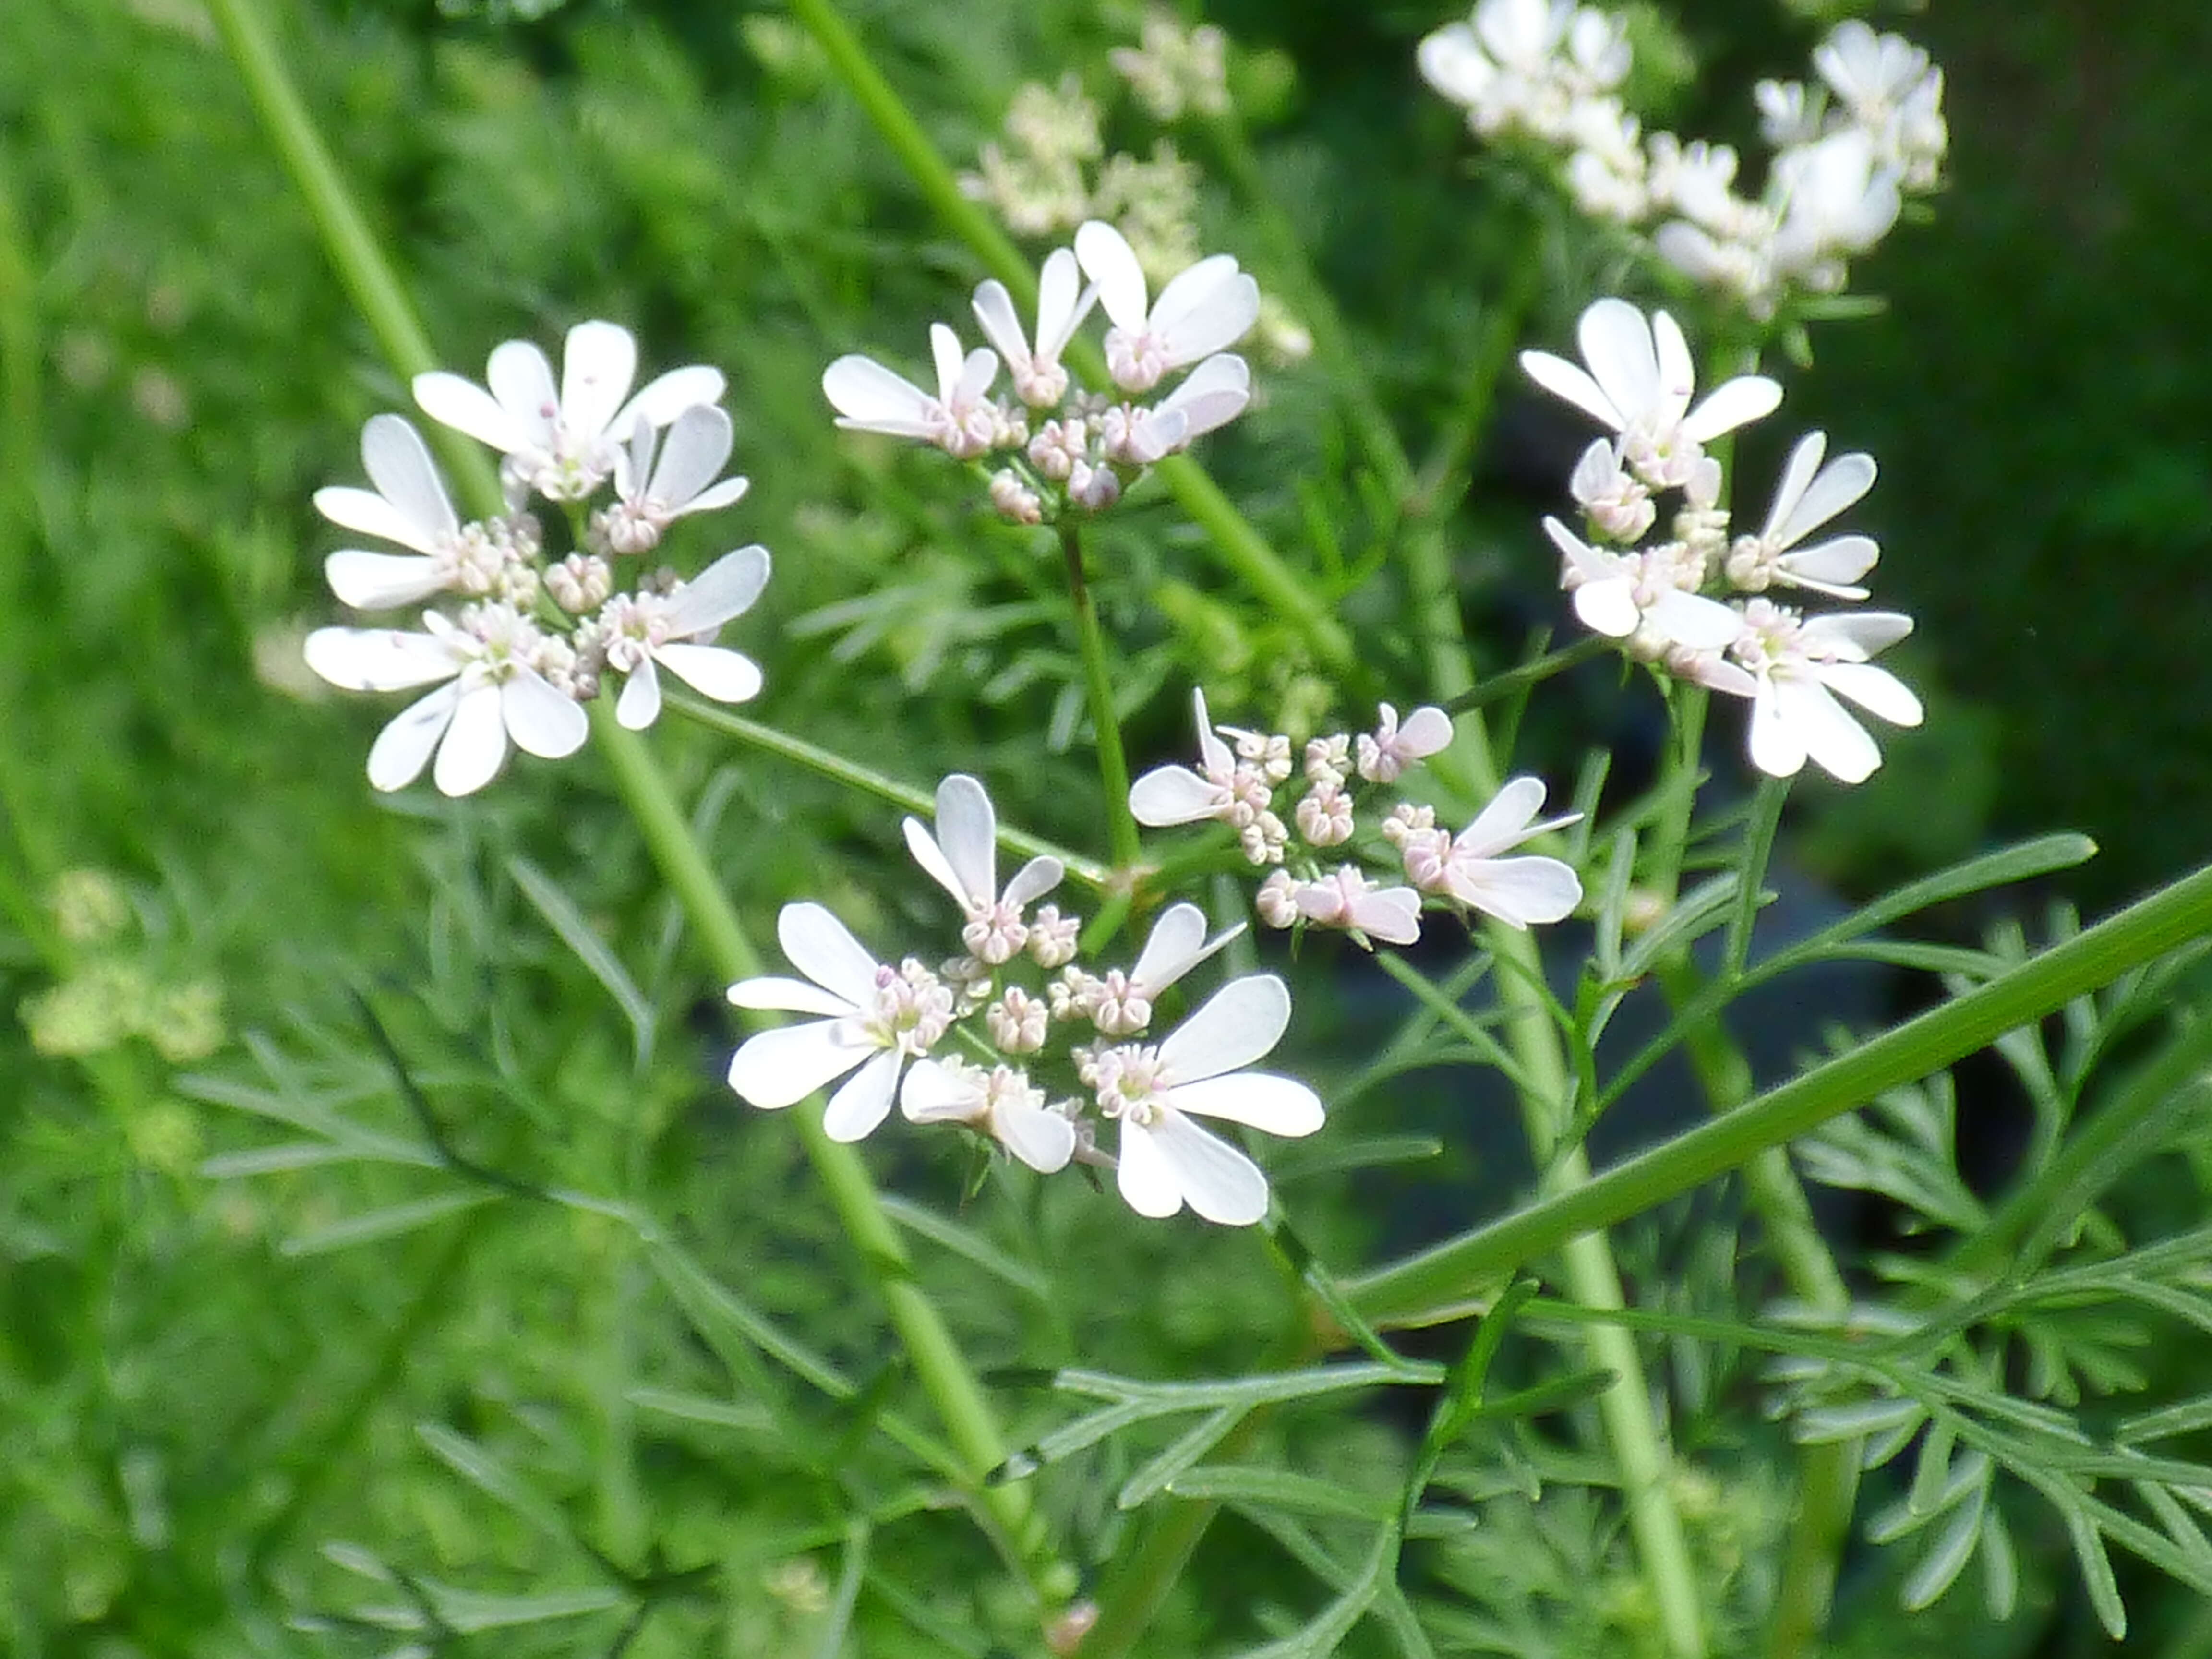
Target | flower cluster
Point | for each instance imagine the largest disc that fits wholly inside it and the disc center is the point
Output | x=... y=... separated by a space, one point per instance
x=1052 y=445
x=1658 y=596
x=1236 y=783
x=1176 y=70
x=1848 y=149
x=1048 y=1049
x=532 y=634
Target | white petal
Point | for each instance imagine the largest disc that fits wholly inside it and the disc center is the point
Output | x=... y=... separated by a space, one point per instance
x=1505 y=821
x=475 y=743
x=865 y=1099
x=868 y=395
x=944 y=352
x=1211 y=306
x=1744 y=399
x=1033 y=881
x=1210 y=395
x=728 y=493
x=1691 y=619
x=402 y=748
x=634 y=461
x=1176 y=945
x=824 y=948
x=660 y=400
x=1452 y=63
x=1169 y=795
x=976 y=377
x=713 y=671
x=692 y=457
x=1149 y=1183
x=522 y=380
x=1392 y=915
x=1280 y=1105
x=598 y=363
x=640 y=703
x=1608 y=607
x=936 y=1094
x=399 y=464
x=1777 y=747
x=1110 y=261
x=1000 y=322
x=1874 y=689
x=782 y=1067
x=724 y=589
x=378 y=581
x=542 y=721
x=1213 y=753
x=793 y=996
x=1043 y=1140
x=1218 y=1181
x=934 y=864
x=1616 y=340
x=1520 y=891
x=466 y=407
x=1063 y=302
x=379 y=659
x=1427 y=731
x=1677 y=370
x=1859 y=633
x=1839 y=743
x=1564 y=381
x=371 y=515
x=1832 y=567
x=967 y=830
x=1237 y=1024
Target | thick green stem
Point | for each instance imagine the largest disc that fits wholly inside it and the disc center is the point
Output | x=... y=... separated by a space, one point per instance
x=1098 y=685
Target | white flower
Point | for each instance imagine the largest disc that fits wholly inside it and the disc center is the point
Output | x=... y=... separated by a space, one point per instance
x=1392 y=748
x=1323 y=814
x=1639 y=382
x=1350 y=901
x=1790 y=666
x=1053 y=936
x=656 y=492
x=1835 y=197
x=960 y=419
x=875 y=1018
x=1210 y=395
x=1645 y=596
x=1277 y=901
x=1166 y=1160
x=1465 y=867
x=676 y=630
x=1120 y=1005
x=1208 y=308
x=1062 y=304
x=1019 y=1022
x=1874 y=75
x=409 y=506
x=1170 y=795
x=1787 y=115
x=1615 y=500
x=494 y=691
x=1499 y=63
x=1809 y=496
x=563 y=446
x=1174 y=71
x=1000 y=1101
x=962 y=858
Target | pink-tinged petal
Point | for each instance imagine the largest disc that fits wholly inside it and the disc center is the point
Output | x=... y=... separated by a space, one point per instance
x=1213 y=752
x=1033 y=881
x=598 y=363
x=1616 y=340
x=402 y=748
x=1777 y=747
x=1160 y=432
x=542 y=721
x=976 y=377
x=945 y=353
x=1506 y=822
x=1209 y=307
x=936 y=1094
x=1608 y=607
x=1874 y=689
x=790 y=996
x=1427 y=731
x=378 y=581
x=660 y=400
x=824 y=948
x=864 y=1098
x=640 y=703
x=475 y=744
x=1519 y=891
x=1392 y=915
x=1236 y=1025
x=1176 y=945
x=1832 y=567
x=870 y=398
x=1210 y=395
x=365 y=511
x=1169 y=795
x=1717 y=673
x=1571 y=384
x=967 y=830
x=1218 y=1181
x=466 y=407
x=1691 y=619
x=399 y=464
x=1739 y=401
x=1000 y=322
x=713 y=671
x=522 y=381
x=1063 y=302
x=1259 y=1100
x=1859 y=632
x=379 y=659
x=1044 y=1141
x=692 y=456
x=779 y=1068
x=1838 y=743
x=1677 y=370
x=724 y=589
x=934 y=864
x=1149 y=1183
x=1320 y=901
x=1108 y=261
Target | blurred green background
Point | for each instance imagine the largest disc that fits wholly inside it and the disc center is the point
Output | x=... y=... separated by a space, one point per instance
x=187 y=1406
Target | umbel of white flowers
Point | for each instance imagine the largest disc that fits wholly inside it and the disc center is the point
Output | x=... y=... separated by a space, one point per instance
x=1048 y=1051
x=1690 y=601
x=1848 y=150
x=527 y=636
x=1052 y=445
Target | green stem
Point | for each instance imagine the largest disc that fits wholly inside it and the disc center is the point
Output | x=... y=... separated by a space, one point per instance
x=1098 y=684
x=1241 y=546
x=835 y=766
x=1453 y=1278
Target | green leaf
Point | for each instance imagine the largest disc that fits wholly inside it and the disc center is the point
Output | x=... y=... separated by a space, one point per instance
x=968 y=1245
x=746 y=1416
x=373 y=1226
x=465 y=1458
x=1945 y=1557
x=563 y=916
x=1280 y=1489
x=1158 y=1473
x=467 y=1612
